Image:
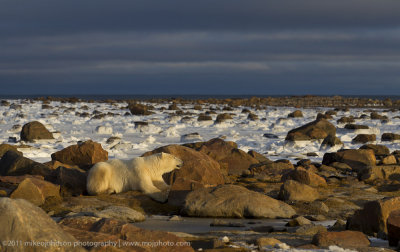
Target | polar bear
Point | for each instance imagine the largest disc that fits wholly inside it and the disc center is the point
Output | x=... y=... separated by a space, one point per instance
x=141 y=173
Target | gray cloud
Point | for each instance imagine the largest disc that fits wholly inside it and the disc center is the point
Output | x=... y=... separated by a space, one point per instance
x=173 y=46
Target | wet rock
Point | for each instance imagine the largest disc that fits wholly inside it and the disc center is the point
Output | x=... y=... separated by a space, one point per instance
x=35 y=191
x=305 y=177
x=35 y=130
x=372 y=218
x=390 y=137
x=13 y=164
x=296 y=113
x=84 y=155
x=364 y=138
x=356 y=159
x=139 y=109
x=234 y=201
x=122 y=213
x=23 y=221
x=393 y=226
x=292 y=190
x=234 y=160
x=318 y=129
x=344 y=239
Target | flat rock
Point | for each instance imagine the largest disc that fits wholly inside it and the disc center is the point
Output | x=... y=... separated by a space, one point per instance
x=234 y=201
x=356 y=159
x=121 y=213
x=305 y=177
x=344 y=239
x=13 y=164
x=318 y=129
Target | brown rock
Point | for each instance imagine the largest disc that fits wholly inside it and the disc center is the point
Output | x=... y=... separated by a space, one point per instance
x=139 y=109
x=204 y=118
x=223 y=117
x=6 y=147
x=234 y=201
x=386 y=172
x=389 y=160
x=379 y=150
x=393 y=226
x=364 y=138
x=23 y=221
x=390 y=137
x=198 y=169
x=318 y=129
x=258 y=156
x=305 y=177
x=344 y=239
x=226 y=154
x=356 y=159
x=35 y=191
x=271 y=171
x=296 y=113
x=71 y=180
x=267 y=241
x=84 y=155
x=35 y=130
x=372 y=218
x=13 y=164
x=292 y=190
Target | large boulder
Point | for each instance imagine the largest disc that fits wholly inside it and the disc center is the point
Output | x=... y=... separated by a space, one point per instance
x=35 y=191
x=393 y=226
x=198 y=170
x=344 y=239
x=35 y=130
x=385 y=172
x=234 y=160
x=372 y=218
x=305 y=177
x=7 y=147
x=318 y=129
x=72 y=180
x=23 y=221
x=234 y=201
x=84 y=155
x=292 y=190
x=356 y=159
x=14 y=164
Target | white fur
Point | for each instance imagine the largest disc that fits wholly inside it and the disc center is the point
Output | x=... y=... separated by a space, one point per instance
x=141 y=173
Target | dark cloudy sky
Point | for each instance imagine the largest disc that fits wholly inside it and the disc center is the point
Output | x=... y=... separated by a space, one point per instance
x=200 y=47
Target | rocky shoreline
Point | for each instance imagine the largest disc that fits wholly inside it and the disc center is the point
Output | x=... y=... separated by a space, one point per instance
x=356 y=190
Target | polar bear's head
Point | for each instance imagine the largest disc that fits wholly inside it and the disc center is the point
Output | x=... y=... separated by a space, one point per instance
x=170 y=162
